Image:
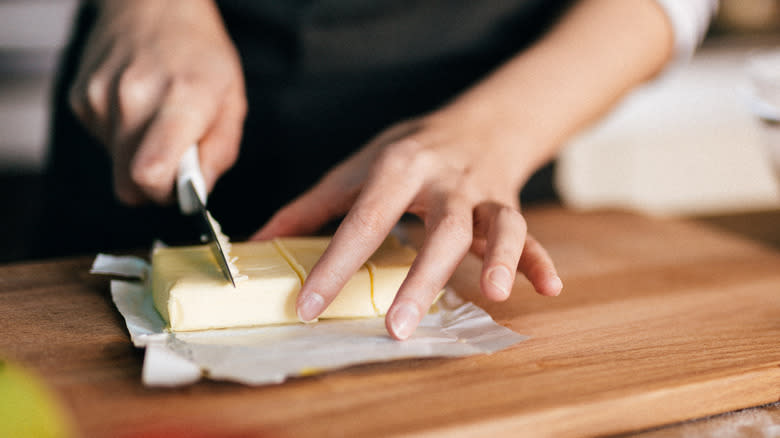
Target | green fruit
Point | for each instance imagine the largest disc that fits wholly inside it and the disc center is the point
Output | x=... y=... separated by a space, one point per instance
x=27 y=407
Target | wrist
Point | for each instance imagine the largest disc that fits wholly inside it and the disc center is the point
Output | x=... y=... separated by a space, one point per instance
x=505 y=129
x=490 y=135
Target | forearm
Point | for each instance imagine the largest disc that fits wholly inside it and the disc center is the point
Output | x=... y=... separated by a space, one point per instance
x=598 y=51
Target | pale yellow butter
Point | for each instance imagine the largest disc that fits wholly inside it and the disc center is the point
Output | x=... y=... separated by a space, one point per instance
x=388 y=268
x=354 y=300
x=191 y=294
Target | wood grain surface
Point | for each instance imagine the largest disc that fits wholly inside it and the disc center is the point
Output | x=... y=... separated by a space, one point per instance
x=660 y=321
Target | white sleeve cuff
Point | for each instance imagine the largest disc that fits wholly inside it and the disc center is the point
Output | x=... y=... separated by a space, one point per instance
x=690 y=20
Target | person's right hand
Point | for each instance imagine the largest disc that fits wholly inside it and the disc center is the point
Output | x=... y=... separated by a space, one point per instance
x=155 y=77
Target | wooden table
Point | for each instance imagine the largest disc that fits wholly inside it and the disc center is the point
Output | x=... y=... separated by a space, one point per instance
x=660 y=321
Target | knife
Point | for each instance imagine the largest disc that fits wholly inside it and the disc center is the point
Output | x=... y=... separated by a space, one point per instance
x=191 y=191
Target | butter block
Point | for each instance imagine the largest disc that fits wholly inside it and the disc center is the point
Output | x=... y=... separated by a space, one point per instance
x=354 y=300
x=388 y=267
x=191 y=294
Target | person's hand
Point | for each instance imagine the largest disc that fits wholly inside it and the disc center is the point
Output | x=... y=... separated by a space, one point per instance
x=461 y=175
x=460 y=168
x=156 y=77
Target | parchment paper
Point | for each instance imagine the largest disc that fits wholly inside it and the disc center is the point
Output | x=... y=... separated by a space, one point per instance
x=267 y=355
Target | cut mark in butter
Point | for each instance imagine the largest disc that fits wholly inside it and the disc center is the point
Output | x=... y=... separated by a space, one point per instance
x=224 y=243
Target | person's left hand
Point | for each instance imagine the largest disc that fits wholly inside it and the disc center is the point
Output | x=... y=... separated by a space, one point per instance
x=460 y=172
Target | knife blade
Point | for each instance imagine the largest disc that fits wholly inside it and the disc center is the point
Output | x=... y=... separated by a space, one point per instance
x=191 y=191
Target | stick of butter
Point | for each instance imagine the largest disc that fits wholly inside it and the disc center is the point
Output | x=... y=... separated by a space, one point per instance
x=191 y=294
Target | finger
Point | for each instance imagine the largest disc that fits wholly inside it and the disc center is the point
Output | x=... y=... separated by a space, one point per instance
x=219 y=147
x=448 y=241
x=124 y=187
x=77 y=95
x=139 y=91
x=333 y=195
x=375 y=212
x=328 y=199
x=181 y=120
x=307 y=213
x=506 y=236
x=90 y=96
x=538 y=267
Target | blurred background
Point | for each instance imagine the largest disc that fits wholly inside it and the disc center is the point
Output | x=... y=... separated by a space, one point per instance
x=684 y=145
x=32 y=34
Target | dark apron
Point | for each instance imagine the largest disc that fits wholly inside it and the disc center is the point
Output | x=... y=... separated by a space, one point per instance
x=323 y=77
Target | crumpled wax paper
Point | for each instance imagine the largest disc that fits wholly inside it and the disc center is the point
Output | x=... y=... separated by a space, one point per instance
x=271 y=354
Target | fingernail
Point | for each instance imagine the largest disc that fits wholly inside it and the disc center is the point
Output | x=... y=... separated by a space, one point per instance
x=404 y=320
x=310 y=307
x=554 y=285
x=501 y=279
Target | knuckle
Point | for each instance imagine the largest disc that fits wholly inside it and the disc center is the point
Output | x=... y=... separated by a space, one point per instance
x=368 y=221
x=148 y=178
x=457 y=227
x=407 y=157
x=424 y=160
x=139 y=175
x=135 y=87
x=408 y=145
x=403 y=152
x=512 y=217
x=183 y=85
x=184 y=100
x=96 y=92
x=394 y=161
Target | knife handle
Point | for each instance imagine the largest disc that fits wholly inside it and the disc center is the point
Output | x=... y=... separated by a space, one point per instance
x=189 y=170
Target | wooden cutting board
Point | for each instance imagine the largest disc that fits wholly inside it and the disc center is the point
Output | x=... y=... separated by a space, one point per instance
x=659 y=322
